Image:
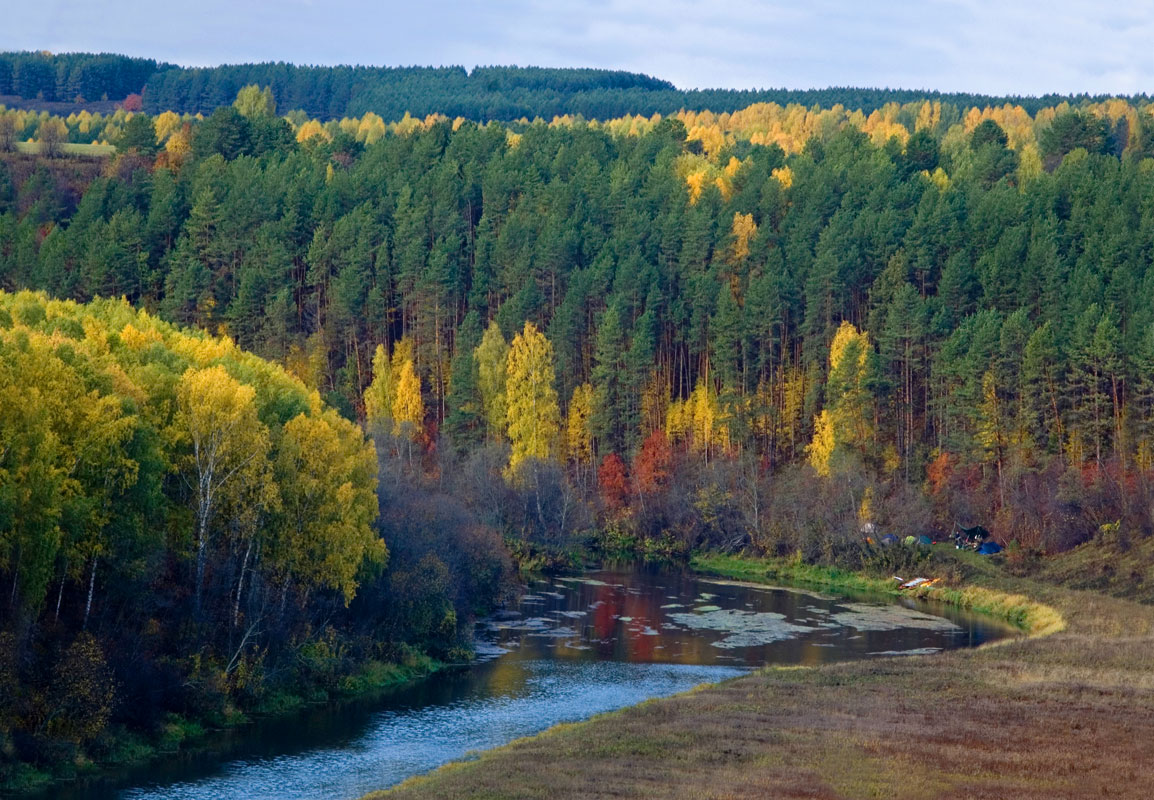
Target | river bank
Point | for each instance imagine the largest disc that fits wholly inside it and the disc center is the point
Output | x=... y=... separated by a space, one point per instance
x=124 y=750
x=1066 y=711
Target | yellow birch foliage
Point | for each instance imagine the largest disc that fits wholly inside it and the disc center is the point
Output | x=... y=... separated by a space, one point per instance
x=492 y=358
x=408 y=407
x=534 y=418
x=744 y=229
x=845 y=421
x=328 y=477
x=380 y=392
x=821 y=449
x=179 y=145
x=167 y=124
x=371 y=128
x=1029 y=165
x=696 y=183
x=676 y=423
x=313 y=128
x=578 y=434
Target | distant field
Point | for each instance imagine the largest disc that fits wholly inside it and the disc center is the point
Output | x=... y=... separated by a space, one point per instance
x=89 y=150
x=58 y=107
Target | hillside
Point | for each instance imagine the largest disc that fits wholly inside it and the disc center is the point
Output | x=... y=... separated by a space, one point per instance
x=953 y=313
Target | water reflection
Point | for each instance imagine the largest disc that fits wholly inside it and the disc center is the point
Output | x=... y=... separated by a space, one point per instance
x=572 y=647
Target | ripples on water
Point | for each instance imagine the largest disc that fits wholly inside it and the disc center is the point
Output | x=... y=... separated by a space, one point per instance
x=574 y=647
x=399 y=745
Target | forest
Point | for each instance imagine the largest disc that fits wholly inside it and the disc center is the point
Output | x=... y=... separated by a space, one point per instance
x=502 y=93
x=430 y=349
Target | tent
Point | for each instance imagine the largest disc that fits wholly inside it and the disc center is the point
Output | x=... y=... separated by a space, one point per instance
x=989 y=548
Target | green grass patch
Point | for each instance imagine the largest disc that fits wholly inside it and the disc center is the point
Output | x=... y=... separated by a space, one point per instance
x=70 y=149
x=1029 y=616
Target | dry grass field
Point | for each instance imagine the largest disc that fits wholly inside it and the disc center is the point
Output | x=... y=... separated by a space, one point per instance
x=1064 y=715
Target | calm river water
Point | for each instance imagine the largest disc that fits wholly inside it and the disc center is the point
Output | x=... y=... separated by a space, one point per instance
x=572 y=648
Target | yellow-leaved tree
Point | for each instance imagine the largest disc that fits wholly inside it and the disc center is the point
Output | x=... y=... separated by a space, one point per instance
x=534 y=418
x=744 y=229
x=408 y=407
x=252 y=101
x=845 y=423
x=327 y=475
x=227 y=455
x=379 y=394
x=578 y=428
x=492 y=356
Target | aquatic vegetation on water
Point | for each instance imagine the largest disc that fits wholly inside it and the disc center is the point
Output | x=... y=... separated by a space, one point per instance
x=744 y=628
x=866 y=617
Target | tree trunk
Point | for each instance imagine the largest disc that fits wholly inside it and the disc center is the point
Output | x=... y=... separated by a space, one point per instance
x=91 y=586
x=60 y=595
x=15 y=583
x=201 y=551
x=240 y=583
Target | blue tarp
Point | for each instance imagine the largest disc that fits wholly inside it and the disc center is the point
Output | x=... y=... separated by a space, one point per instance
x=989 y=548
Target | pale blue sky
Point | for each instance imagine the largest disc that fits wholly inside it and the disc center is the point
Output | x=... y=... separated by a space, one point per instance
x=989 y=46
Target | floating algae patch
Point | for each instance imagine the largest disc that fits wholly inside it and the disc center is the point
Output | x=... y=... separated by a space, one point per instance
x=865 y=617
x=487 y=651
x=556 y=633
x=921 y=651
x=588 y=581
x=674 y=605
x=706 y=609
x=743 y=628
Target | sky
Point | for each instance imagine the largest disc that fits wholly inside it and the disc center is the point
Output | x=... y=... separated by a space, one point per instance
x=986 y=46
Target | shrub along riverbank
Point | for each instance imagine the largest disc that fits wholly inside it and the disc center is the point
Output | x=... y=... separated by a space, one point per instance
x=1066 y=711
x=123 y=749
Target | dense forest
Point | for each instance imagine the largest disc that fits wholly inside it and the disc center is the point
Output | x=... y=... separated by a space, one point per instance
x=74 y=77
x=482 y=94
x=757 y=330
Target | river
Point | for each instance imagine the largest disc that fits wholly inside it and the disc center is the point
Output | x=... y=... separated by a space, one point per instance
x=573 y=647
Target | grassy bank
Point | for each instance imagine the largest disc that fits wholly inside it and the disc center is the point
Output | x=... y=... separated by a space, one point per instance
x=121 y=748
x=1067 y=711
x=991 y=596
